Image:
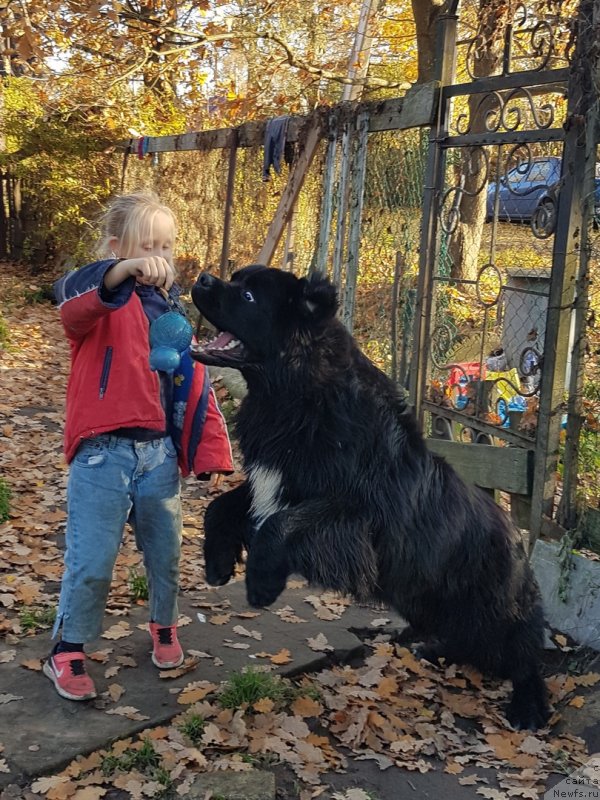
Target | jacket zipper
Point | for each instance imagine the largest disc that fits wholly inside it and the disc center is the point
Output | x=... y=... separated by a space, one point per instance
x=105 y=371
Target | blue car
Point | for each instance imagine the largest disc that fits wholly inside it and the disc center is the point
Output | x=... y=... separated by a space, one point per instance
x=528 y=193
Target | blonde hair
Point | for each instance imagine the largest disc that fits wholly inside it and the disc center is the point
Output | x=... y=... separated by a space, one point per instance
x=129 y=218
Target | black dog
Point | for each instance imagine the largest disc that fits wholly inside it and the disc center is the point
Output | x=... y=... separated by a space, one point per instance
x=342 y=489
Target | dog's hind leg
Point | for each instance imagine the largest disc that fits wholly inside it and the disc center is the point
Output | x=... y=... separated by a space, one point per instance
x=528 y=708
x=226 y=530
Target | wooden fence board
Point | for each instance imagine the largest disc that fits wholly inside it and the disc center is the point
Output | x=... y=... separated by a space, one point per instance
x=415 y=109
x=507 y=469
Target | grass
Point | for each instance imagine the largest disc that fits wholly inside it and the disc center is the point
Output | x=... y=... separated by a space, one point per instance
x=144 y=759
x=5 y=495
x=4 y=332
x=193 y=727
x=37 y=619
x=246 y=688
x=138 y=586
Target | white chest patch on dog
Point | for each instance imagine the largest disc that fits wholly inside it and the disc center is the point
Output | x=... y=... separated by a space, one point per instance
x=266 y=491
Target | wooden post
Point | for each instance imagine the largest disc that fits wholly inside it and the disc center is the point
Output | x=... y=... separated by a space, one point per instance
x=3 y=225
x=567 y=514
x=398 y=270
x=446 y=25
x=320 y=262
x=287 y=262
x=359 y=170
x=567 y=244
x=340 y=225
x=358 y=63
x=290 y=194
x=229 y=199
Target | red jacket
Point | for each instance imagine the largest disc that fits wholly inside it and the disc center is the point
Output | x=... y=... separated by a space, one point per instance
x=111 y=384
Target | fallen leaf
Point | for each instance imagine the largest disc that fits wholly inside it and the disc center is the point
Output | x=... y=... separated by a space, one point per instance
x=33 y=663
x=306 y=707
x=219 y=619
x=127 y=711
x=264 y=705
x=7 y=655
x=43 y=785
x=241 y=631
x=319 y=643
x=195 y=692
x=118 y=631
x=115 y=692
x=282 y=657
x=188 y=665
x=8 y=698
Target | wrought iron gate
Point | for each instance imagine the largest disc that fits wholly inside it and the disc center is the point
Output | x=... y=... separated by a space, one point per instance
x=500 y=249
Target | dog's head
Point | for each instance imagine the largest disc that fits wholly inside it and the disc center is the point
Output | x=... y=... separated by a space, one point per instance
x=258 y=312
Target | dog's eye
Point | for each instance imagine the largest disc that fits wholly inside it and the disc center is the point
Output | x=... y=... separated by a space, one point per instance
x=248 y=296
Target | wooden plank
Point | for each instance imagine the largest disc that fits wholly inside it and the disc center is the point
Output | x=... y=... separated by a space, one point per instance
x=343 y=193
x=507 y=469
x=512 y=437
x=415 y=109
x=359 y=171
x=290 y=195
x=229 y=198
x=326 y=207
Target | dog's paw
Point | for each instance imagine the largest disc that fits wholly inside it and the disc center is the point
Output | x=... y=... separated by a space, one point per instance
x=528 y=708
x=219 y=568
x=263 y=591
x=431 y=652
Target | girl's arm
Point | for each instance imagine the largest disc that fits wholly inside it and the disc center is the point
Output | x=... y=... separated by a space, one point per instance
x=86 y=295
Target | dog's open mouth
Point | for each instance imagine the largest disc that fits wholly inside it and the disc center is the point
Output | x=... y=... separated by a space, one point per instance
x=223 y=349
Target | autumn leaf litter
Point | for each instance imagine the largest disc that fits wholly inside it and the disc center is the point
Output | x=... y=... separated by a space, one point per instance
x=393 y=709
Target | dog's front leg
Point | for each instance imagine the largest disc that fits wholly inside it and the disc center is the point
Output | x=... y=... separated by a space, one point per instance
x=226 y=531
x=267 y=566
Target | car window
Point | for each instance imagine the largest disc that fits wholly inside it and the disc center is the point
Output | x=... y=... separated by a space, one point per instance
x=540 y=172
x=517 y=174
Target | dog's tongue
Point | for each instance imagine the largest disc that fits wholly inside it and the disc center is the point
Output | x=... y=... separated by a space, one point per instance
x=221 y=341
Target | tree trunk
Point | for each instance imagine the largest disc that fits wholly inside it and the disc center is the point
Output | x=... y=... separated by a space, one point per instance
x=3 y=225
x=465 y=242
x=425 y=13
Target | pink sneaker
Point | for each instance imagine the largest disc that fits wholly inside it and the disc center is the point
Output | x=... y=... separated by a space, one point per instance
x=67 y=673
x=166 y=650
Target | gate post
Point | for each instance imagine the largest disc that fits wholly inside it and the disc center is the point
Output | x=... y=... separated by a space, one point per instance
x=434 y=179
x=567 y=245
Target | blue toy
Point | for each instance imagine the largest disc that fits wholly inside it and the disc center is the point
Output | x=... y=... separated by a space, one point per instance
x=170 y=336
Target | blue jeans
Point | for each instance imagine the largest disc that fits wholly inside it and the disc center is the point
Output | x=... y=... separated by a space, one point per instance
x=113 y=480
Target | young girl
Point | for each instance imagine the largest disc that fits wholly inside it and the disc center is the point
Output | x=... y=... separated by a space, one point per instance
x=129 y=432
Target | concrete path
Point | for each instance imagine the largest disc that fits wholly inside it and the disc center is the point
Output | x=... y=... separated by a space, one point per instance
x=41 y=732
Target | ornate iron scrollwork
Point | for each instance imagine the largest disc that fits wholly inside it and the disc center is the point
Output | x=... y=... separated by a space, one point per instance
x=531 y=38
x=476 y=164
x=494 y=113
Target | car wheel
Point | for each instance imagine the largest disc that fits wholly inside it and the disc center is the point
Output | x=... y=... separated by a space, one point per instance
x=543 y=219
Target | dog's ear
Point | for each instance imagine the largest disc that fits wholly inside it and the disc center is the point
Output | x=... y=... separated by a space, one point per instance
x=318 y=297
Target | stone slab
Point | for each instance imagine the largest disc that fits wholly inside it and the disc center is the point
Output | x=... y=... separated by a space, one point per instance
x=42 y=732
x=578 y=615
x=250 y=785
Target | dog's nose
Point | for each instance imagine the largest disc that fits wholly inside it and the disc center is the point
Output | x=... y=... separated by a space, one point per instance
x=206 y=280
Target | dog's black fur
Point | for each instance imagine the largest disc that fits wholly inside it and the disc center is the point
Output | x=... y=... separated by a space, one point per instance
x=342 y=489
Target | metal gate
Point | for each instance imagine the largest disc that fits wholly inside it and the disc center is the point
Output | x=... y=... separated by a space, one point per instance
x=500 y=248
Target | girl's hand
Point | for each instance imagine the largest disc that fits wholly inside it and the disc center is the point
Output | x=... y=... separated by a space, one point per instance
x=151 y=271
